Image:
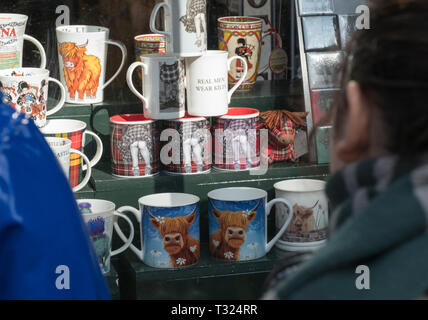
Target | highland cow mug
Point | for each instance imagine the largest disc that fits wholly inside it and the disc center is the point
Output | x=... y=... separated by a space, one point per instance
x=238 y=223
x=185 y=26
x=169 y=226
x=61 y=148
x=100 y=216
x=190 y=142
x=208 y=93
x=82 y=54
x=134 y=146
x=75 y=131
x=26 y=89
x=12 y=29
x=164 y=95
x=308 y=228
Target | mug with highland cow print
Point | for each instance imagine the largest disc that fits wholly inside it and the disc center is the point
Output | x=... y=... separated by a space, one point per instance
x=238 y=223
x=169 y=226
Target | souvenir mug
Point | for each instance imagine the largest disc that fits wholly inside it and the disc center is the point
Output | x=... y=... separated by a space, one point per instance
x=169 y=226
x=238 y=223
x=61 y=148
x=12 y=29
x=191 y=146
x=163 y=86
x=242 y=36
x=185 y=26
x=134 y=146
x=236 y=143
x=26 y=89
x=147 y=44
x=82 y=54
x=207 y=84
x=75 y=131
x=100 y=216
x=308 y=228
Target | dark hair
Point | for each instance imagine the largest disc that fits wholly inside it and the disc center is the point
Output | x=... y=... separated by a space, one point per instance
x=390 y=63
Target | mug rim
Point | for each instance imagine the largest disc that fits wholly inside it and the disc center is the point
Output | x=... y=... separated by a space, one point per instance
x=62 y=29
x=254 y=20
x=230 y=197
x=81 y=126
x=250 y=113
x=6 y=73
x=160 y=56
x=14 y=15
x=120 y=119
x=287 y=185
x=150 y=200
x=138 y=38
x=111 y=209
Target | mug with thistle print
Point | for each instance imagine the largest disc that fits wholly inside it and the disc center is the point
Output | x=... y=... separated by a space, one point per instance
x=26 y=89
x=185 y=26
x=238 y=223
x=100 y=216
x=169 y=226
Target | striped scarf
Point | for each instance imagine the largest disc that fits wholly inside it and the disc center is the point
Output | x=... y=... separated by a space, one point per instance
x=379 y=219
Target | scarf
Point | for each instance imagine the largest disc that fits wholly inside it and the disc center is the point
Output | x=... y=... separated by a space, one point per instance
x=377 y=230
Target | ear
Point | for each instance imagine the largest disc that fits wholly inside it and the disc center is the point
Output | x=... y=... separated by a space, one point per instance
x=355 y=142
x=308 y=213
x=191 y=218
x=252 y=216
x=155 y=223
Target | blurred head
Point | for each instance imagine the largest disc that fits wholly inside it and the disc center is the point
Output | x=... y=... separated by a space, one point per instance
x=383 y=107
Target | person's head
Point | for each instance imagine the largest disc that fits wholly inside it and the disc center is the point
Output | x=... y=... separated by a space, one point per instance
x=383 y=108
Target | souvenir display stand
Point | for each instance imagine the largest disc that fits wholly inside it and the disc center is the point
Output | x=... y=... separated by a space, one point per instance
x=210 y=278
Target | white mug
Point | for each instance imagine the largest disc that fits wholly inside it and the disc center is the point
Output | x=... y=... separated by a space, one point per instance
x=26 y=89
x=163 y=86
x=12 y=36
x=308 y=229
x=207 y=84
x=82 y=53
x=61 y=148
x=185 y=26
x=100 y=216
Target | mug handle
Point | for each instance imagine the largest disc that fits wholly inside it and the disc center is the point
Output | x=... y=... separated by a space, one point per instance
x=40 y=48
x=266 y=66
x=99 y=152
x=269 y=206
x=229 y=62
x=153 y=19
x=131 y=86
x=85 y=181
x=137 y=214
x=128 y=241
x=61 y=101
x=122 y=48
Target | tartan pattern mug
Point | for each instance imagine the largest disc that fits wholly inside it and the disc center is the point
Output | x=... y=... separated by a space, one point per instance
x=134 y=146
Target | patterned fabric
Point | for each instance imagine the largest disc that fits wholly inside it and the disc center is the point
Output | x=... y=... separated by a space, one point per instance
x=190 y=130
x=122 y=137
x=75 y=160
x=229 y=131
x=194 y=7
x=277 y=151
x=170 y=73
x=379 y=218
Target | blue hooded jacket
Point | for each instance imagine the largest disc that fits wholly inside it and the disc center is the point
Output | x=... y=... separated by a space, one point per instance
x=45 y=250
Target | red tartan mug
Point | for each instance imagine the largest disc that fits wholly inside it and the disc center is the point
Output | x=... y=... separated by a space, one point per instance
x=134 y=146
x=236 y=142
x=187 y=145
x=75 y=131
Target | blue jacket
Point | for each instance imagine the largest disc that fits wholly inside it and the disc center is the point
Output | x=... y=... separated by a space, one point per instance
x=45 y=250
